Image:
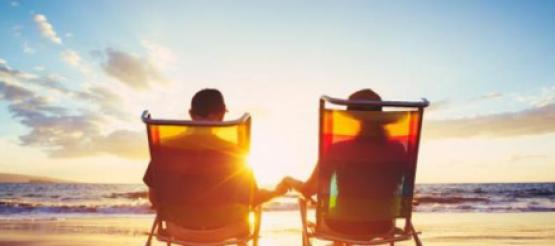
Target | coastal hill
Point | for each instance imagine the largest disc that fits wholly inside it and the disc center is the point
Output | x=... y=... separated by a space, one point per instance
x=19 y=178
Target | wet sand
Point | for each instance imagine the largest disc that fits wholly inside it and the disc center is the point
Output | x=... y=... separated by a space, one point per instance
x=283 y=228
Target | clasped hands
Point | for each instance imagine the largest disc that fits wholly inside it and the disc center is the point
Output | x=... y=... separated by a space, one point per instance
x=287 y=184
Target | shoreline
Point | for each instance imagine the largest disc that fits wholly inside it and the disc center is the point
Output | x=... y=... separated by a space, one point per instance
x=531 y=228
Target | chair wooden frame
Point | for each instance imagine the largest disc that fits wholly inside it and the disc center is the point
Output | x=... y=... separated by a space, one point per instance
x=159 y=231
x=407 y=232
x=159 y=228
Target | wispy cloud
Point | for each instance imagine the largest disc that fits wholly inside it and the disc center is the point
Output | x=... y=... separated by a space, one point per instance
x=65 y=133
x=528 y=157
x=158 y=54
x=439 y=105
x=8 y=73
x=51 y=81
x=67 y=130
x=46 y=29
x=13 y=93
x=131 y=70
x=27 y=49
x=108 y=101
x=545 y=97
x=16 y=30
x=488 y=96
x=71 y=57
x=531 y=121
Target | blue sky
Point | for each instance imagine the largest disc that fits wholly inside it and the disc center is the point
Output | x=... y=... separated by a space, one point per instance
x=487 y=67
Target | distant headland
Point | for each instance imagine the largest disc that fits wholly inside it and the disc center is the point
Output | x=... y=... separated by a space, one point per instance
x=20 y=178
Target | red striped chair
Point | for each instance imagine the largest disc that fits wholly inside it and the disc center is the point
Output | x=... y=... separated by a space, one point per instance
x=367 y=166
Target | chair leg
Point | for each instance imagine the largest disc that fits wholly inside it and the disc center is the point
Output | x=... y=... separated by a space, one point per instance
x=254 y=241
x=415 y=236
x=151 y=234
x=258 y=222
x=305 y=238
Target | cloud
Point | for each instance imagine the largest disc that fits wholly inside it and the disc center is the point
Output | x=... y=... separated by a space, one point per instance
x=13 y=93
x=109 y=102
x=27 y=49
x=131 y=70
x=124 y=143
x=17 y=30
x=71 y=57
x=66 y=130
x=491 y=95
x=66 y=133
x=517 y=157
x=532 y=121
x=545 y=97
x=46 y=29
x=6 y=72
x=439 y=105
x=51 y=81
x=158 y=54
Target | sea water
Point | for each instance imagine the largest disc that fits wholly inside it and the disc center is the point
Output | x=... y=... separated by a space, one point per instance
x=37 y=201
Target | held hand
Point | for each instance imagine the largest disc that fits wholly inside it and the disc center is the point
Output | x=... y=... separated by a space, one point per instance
x=292 y=183
x=281 y=188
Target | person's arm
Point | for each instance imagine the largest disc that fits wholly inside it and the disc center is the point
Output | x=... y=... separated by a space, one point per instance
x=308 y=188
x=263 y=195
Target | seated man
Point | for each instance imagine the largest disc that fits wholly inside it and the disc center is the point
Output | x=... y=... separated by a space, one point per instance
x=375 y=178
x=205 y=180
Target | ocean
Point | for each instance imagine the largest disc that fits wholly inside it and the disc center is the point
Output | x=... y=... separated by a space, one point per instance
x=43 y=201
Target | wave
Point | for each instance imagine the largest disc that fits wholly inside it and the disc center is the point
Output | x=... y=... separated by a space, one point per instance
x=129 y=195
x=448 y=200
x=25 y=208
x=60 y=199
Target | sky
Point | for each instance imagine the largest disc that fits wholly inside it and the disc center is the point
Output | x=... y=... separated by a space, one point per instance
x=76 y=75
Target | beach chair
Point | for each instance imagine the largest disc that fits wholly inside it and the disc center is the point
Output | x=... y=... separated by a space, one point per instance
x=367 y=166
x=198 y=181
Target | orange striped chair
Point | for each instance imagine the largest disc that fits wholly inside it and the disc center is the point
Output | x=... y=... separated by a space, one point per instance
x=203 y=189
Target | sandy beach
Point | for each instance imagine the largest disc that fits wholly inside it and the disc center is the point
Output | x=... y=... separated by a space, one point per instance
x=283 y=228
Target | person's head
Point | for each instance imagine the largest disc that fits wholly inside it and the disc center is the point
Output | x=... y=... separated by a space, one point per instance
x=365 y=95
x=366 y=128
x=208 y=104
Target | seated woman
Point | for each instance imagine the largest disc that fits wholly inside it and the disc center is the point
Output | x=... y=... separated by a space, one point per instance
x=374 y=178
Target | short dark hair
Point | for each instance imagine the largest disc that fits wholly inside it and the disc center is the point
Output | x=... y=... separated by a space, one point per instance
x=365 y=95
x=207 y=101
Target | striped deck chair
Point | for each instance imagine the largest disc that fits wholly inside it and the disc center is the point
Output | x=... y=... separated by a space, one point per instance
x=203 y=189
x=367 y=166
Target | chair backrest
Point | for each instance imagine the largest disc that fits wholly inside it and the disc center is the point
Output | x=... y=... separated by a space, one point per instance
x=367 y=160
x=199 y=170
